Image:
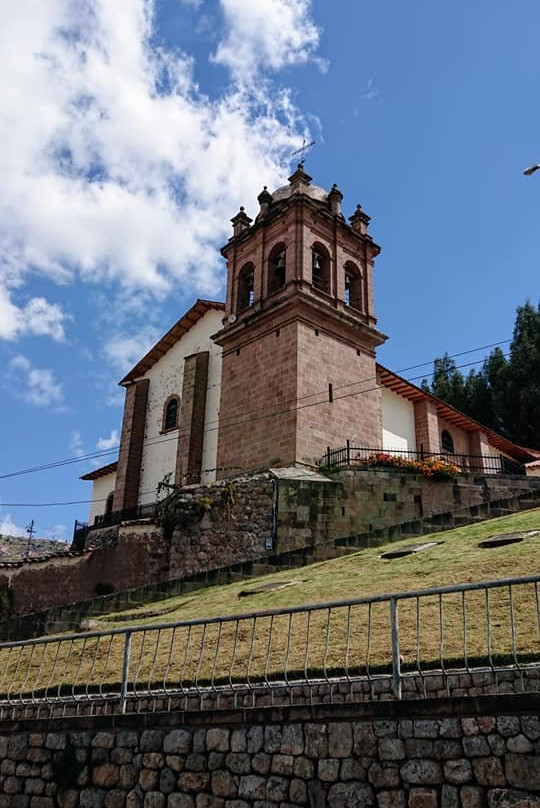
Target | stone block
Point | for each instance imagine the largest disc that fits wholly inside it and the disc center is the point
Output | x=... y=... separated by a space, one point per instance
x=167 y=780
x=238 y=740
x=476 y=746
x=383 y=776
x=282 y=764
x=180 y=801
x=328 y=770
x=154 y=799
x=252 y=787
x=238 y=762
x=509 y=798
x=489 y=771
x=422 y=798
x=277 y=788
x=523 y=771
x=115 y=799
x=350 y=795
x=471 y=797
x=340 y=740
x=89 y=798
x=298 y=792
x=520 y=744
x=449 y=797
x=316 y=740
x=218 y=739
x=106 y=775
x=292 y=742
x=530 y=726
x=177 y=742
x=457 y=772
x=255 y=739
x=352 y=769
x=391 y=799
x=365 y=740
x=193 y=781
x=151 y=741
x=223 y=784
x=304 y=768
x=104 y=740
x=422 y=772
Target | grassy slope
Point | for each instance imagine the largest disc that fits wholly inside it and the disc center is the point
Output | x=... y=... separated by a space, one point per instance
x=323 y=641
x=456 y=560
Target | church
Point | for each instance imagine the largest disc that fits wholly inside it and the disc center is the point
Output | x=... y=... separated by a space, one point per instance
x=284 y=369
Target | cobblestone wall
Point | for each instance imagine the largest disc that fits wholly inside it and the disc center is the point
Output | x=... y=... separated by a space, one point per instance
x=468 y=753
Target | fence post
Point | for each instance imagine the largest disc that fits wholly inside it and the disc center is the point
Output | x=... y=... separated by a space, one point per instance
x=125 y=673
x=396 y=659
x=348 y=452
x=421 y=451
x=327 y=457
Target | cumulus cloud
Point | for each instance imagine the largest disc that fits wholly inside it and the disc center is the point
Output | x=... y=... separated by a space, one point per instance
x=76 y=444
x=9 y=528
x=271 y=34
x=37 y=386
x=38 y=317
x=124 y=350
x=109 y=443
x=121 y=169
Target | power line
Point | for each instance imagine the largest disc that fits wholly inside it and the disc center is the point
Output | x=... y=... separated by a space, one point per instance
x=203 y=471
x=257 y=413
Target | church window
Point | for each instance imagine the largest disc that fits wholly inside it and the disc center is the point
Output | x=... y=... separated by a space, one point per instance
x=276 y=268
x=353 y=286
x=170 y=414
x=245 y=287
x=447 y=442
x=320 y=268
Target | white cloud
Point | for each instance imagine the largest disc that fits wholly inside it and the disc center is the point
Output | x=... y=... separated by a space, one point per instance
x=37 y=386
x=271 y=34
x=38 y=317
x=9 y=528
x=109 y=443
x=124 y=350
x=75 y=444
x=114 y=165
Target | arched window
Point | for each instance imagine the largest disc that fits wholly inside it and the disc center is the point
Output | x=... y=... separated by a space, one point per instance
x=276 y=268
x=447 y=442
x=320 y=268
x=109 y=503
x=245 y=287
x=170 y=413
x=353 y=286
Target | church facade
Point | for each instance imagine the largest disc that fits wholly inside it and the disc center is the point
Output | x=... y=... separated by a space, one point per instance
x=283 y=369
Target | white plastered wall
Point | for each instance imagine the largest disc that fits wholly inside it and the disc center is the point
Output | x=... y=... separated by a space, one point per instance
x=398 y=422
x=101 y=488
x=166 y=376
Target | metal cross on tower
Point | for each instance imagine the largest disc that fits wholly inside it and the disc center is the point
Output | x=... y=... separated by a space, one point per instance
x=302 y=151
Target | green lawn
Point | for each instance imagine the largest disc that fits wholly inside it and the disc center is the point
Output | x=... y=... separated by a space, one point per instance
x=457 y=559
x=342 y=640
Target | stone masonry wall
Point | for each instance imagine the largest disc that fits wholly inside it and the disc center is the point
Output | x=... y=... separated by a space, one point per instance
x=372 y=503
x=462 y=753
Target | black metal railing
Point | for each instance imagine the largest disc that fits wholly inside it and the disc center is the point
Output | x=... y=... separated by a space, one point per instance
x=369 y=457
x=125 y=515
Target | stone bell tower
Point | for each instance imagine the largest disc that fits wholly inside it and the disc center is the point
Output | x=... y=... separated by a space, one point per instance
x=299 y=333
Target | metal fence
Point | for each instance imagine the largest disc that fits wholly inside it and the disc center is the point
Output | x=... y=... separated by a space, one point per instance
x=424 y=641
x=363 y=457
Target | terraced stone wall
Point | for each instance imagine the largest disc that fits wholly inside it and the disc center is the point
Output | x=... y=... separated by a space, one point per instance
x=462 y=753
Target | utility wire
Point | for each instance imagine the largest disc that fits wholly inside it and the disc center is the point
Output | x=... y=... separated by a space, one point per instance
x=175 y=437
x=257 y=413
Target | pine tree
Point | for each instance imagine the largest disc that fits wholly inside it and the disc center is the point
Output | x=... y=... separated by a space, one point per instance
x=522 y=399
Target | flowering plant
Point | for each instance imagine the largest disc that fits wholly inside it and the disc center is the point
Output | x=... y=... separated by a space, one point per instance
x=432 y=468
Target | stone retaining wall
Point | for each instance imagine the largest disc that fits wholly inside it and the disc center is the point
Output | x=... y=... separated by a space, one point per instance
x=460 y=753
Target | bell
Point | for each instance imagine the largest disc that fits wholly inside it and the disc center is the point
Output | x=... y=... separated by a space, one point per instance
x=280 y=263
x=317 y=263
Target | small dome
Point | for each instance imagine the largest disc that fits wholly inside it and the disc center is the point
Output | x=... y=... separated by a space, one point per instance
x=314 y=191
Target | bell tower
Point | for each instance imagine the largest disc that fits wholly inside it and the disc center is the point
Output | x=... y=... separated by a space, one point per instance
x=299 y=333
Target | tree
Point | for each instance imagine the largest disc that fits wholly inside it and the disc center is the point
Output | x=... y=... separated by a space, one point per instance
x=505 y=393
x=522 y=405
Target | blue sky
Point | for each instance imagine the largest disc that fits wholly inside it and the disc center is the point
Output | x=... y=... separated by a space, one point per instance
x=131 y=133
